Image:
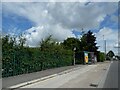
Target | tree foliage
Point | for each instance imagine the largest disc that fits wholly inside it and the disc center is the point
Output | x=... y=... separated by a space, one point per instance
x=47 y=44
x=88 y=42
x=18 y=59
x=71 y=43
x=102 y=56
x=110 y=54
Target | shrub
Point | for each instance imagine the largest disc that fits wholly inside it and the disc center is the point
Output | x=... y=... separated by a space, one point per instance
x=101 y=57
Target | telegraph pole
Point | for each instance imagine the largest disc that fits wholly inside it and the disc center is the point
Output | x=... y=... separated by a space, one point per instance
x=74 y=55
x=104 y=46
x=105 y=49
x=103 y=43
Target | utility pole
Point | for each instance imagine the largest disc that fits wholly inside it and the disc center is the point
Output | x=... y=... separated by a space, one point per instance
x=118 y=48
x=74 y=55
x=103 y=43
x=105 y=49
x=104 y=46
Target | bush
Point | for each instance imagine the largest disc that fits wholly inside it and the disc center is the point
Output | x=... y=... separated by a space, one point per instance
x=26 y=60
x=101 y=57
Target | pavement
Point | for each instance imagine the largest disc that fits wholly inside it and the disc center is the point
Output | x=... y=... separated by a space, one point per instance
x=86 y=76
x=78 y=76
x=15 y=80
x=89 y=79
x=61 y=79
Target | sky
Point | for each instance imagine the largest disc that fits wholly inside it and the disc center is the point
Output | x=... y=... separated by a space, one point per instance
x=38 y=20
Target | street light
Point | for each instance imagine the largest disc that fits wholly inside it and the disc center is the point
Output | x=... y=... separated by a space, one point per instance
x=74 y=55
x=104 y=46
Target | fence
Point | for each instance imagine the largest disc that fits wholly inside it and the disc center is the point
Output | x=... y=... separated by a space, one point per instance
x=19 y=62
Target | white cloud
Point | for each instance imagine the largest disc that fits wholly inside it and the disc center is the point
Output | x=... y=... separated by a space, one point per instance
x=35 y=34
x=58 y=19
x=108 y=33
x=69 y=15
x=111 y=37
x=60 y=0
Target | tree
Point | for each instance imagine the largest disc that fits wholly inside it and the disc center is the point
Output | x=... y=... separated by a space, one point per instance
x=47 y=43
x=101 y=56
x=70 y=43
x=22 y=41
x=110 y=54
x=13 y=53
x=88 y=42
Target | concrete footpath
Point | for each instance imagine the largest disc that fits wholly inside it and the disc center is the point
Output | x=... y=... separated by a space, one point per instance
x=11 y=81
x=91 y=76
x=87 y=76
x=89 y=79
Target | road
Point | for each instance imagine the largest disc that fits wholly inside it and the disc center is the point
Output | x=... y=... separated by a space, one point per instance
x=112 y=76
x=88 y=76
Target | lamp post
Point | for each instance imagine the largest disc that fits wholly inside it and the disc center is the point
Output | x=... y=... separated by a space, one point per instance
x=74 y=55
x=104 y=46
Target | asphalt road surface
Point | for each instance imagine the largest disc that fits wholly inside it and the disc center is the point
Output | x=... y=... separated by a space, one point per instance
x=112 y=76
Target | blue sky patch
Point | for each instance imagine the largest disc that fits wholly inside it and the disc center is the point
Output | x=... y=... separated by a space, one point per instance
x=12 y=21
x=108 y=23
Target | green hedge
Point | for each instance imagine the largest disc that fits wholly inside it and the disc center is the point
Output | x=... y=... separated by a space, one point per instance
x=20 y=61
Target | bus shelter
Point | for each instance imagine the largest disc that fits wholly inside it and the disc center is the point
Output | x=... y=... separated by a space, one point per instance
x=89 y=57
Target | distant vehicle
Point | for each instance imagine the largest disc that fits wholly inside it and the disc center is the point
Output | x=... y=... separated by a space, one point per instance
x=115 y=58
